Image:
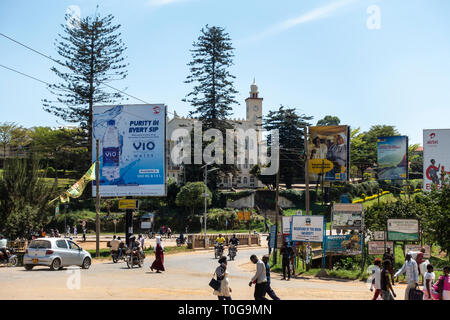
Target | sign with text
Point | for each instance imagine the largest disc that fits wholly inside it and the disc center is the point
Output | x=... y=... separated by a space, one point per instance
x=378 y=235
x=128 y=204
x=403 y=230
x=377 y=247
x=132 y=153
x=347 y=216
x=392 y=158
x=436 y=157
x=307 y=228
x=416 y=249
x=286 y=225
x=273 y=234
x=346 y=244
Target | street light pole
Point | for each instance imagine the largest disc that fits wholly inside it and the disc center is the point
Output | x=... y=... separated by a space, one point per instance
x=206 y=203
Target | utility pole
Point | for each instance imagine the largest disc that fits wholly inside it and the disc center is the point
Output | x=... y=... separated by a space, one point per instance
x=275 y=252
x=97 y=200
x=305 y=128
x=206 y=201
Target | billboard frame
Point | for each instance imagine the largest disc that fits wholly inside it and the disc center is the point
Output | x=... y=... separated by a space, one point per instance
x=406 y=153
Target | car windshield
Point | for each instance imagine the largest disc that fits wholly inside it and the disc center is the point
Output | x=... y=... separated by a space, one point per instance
x=38 y=244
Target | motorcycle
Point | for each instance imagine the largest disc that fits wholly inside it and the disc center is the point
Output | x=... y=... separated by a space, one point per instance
x=181 y=241
x=150 y=234
x=134 y=257
x=218 y=251
x=232 y=251
x=116 y=256
x=13 y=259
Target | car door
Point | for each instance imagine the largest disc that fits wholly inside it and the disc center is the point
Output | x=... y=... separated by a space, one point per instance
x=76 y=254
x=62 y=250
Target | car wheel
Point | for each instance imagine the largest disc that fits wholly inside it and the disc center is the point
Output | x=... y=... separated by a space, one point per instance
x=28 y=267
x=56 y=264
x=86 y=263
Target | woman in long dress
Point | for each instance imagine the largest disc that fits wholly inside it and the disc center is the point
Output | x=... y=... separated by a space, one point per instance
x=158 y=264
x=224 y=292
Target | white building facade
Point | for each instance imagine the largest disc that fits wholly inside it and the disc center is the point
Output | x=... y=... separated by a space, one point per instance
x=253 y=120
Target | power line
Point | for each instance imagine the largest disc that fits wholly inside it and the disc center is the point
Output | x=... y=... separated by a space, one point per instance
x=24 y=74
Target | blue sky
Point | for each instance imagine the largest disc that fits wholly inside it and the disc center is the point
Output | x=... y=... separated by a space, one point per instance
x=317 y=56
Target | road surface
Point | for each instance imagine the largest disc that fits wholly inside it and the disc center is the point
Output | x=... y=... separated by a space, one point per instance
x=186 y=278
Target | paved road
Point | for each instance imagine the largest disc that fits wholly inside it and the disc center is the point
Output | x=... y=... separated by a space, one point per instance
x=186 y=278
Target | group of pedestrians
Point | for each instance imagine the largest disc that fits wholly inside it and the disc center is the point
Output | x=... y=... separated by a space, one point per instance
x=261 y=279
x=383 y=279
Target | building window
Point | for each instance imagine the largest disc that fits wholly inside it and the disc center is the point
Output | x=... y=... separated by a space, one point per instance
x=245 y=180
x=252 y=179
x=239 y=180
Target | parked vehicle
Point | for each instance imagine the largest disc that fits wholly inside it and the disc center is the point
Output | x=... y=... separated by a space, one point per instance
x=55 y=253
x=232 y=251
x=150 y=234
x=12 y=258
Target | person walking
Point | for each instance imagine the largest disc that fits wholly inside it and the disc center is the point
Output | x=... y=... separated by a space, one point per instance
x=268 y=244
x=169 y=232
x=412 y=274
x=443 y=285
x=158 y=264
x=259 y=279
x=141 y=240
x=84 y=234
x=376 y=281
x=75 y=232
x=388 y=256
x=286 y=257
x=429 y=278
x=269 y=289
x=224 y=292
x=385 y=282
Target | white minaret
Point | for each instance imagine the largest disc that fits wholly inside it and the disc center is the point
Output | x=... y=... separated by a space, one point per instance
x=254 y=105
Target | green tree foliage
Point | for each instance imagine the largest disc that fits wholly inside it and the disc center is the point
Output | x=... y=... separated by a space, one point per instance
x=213 y=93
x=191 y=196
x=291 y=141
x=24 y=198
x=329 y=121
x=92 y=55
x=14 y=137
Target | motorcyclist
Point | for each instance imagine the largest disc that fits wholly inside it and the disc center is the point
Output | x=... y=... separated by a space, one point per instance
x=3 y=244
x=181 y=238
x=115 y=245
x=135 y=246
x=220 y=240
x=234 y=240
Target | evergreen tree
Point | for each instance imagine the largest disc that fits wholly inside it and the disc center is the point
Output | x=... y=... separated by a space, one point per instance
x=329 y=121
x=291 y=141
x=92 y=52
x=213 y=92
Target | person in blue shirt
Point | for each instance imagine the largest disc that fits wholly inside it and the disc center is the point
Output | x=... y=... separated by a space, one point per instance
x=269 y=289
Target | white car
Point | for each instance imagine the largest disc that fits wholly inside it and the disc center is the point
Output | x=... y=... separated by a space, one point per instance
x=55 y=253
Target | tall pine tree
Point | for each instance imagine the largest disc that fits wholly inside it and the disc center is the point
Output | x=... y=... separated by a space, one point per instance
x=213 y=93
x=92 y=54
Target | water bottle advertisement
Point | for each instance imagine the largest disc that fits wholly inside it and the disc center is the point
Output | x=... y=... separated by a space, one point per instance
x=131 y=149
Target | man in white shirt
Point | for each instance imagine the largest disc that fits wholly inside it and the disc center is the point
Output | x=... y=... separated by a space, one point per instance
x=412 y=274
x=3 y=244
x=376 y=281
x=259 y=279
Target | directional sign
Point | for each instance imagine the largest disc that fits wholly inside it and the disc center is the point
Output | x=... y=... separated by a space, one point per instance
x=128 y=204
x=320 y=166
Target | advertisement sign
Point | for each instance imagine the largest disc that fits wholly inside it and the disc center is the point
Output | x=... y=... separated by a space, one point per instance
x=436 y=157
x=403 y=230
x=378 y=235
x=329 y=153
x=132 y=149
x=307 y=228
x=346 y=244
x=146 y=225
x=415 y=248
x=392 y=158
x=128 y=204
x=273 y=232
x=377 y=247
x=286 y=225
x=244 y=215
x=347 y=216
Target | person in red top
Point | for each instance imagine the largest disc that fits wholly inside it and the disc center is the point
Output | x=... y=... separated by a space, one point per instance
x=158 y=264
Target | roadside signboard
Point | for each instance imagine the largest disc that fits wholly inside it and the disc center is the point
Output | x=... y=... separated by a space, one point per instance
x=345 y=244
x=392 y=158
x=128 y=204
x=244 y=215
x=378 y=235
x=307 y=228
x=417 y=247
x=377 y=247
x=403 y=230
x=436 y=157
x=146 y=225
x=287 y=225
x=273 y=234
x=132 y=149
x=347 y=216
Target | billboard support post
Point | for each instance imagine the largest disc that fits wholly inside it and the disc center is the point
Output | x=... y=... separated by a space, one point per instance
x=305 y=128
x=97 y=201
x=128 y=223
x=275 y=251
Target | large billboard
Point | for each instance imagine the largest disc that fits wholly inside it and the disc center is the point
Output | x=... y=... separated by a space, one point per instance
x=132 y=149
x=344 y=244
x=329 y=153
x=436 y=157
x=307 y=228
x=392 y=158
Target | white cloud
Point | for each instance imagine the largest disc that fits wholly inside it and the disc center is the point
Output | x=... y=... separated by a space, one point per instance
x=316 y=14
